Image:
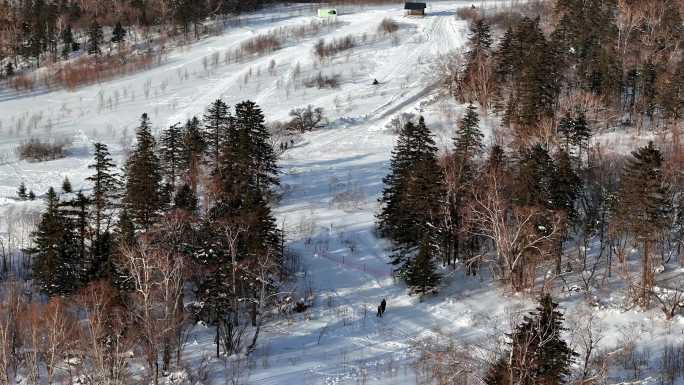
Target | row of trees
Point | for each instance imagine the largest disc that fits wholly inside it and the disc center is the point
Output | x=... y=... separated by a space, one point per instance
x=619 y=58
x=143 y=237
x=542 y=185
x=49 y=28
x=517 y=210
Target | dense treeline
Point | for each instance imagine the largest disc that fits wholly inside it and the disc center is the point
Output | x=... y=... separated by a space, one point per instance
x=40 y=30
x=545 y=202
x=543 y=184
x=186 y=220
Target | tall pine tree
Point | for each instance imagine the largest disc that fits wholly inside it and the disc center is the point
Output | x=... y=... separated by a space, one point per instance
x=55 y=263
x=643 y=206
x=537 y=354
x=412 y=196
x=217 y=122
x=143 y=197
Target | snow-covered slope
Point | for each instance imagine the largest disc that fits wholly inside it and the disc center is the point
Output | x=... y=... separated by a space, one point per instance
x=331 y=181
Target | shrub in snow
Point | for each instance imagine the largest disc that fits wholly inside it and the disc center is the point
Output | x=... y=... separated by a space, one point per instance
x=306 y=119
x=36 y=150
x=387 y=25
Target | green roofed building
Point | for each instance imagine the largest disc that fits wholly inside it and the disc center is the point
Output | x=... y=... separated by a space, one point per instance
x=327 y=12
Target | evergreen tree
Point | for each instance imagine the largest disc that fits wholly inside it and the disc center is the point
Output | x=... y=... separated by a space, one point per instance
x=185 y=199
x=496 y=160
x=249 y=120
x=9 y=69
x=54 y=251
x=247 y=171
x=77 y=213
x=566 y=185
x=553 y=355
x=566 y=129
x=171 y=153
x=217 y=123
x=31 y=195
x=480 y=38
x=412 y=195
x=193 y=149
x=95 y=38
x=468 y=140
x=536 y=353
x=143 y=197
x=479 y=50
x=125 y=230
x=421 y=275
x=21 y=192
x=528 y=76
x=581 y=131
x=67 y=41
x=119 y=33
x=104 y=198
x=467 y=145
x=534 y=178
x=66 y=186
x=643 y=205
x=106 y=185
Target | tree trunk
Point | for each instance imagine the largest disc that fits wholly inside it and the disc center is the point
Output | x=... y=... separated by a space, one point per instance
x=645 y=274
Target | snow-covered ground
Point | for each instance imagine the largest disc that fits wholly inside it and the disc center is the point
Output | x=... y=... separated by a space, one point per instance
x=331 y=181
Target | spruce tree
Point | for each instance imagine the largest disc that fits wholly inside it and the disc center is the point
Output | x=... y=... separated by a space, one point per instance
x=536 y=353
x=103 y=199
x=21 y=192
x=581 y=131
x=467 y=145
x=31 y=195
x=66 y=186
x=566 y=130
x=125 y=230
x=249 y=120
x=643 y=205
x=143 y=197
x=106 y=186
x=421 y=275
x=217 y=122
x=468 y=141
x=54 y=251
x=412 y=195
x=171 y=153
x=95 y=37
x=67 y=42
x=77 y=212
x=554 y=356
x=9 y=69
x=475 y=77
x=192 y=152
x=534 y=176
x=565 y=185
x=119 y=33
x=480 y=38
x=185 y=199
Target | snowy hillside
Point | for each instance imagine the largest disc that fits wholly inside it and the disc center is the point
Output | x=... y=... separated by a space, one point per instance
x=330 y=183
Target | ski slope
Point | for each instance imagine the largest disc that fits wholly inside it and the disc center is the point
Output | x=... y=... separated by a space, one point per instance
x=330 y=181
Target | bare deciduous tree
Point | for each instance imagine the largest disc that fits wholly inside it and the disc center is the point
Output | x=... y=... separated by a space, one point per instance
x=519 y=241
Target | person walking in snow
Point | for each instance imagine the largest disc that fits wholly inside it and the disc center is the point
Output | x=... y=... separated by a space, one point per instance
x=379 y=311
x=383 y=305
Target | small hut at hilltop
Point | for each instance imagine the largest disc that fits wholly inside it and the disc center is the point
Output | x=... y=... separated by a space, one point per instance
x=414 y=9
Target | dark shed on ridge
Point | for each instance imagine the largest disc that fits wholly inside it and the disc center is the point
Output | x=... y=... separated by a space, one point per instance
x=415 y=9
